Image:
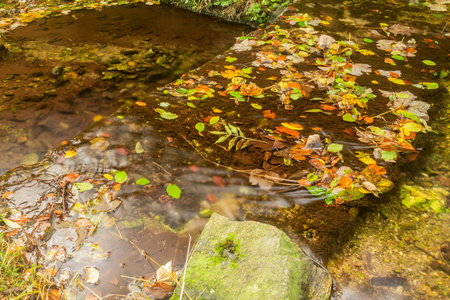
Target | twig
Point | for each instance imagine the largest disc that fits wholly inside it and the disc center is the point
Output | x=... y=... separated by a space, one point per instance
x=185 y=267
x=98 y=297
x=161 y=168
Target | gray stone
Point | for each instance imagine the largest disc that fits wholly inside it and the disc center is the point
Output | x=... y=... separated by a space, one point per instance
x=251 y=260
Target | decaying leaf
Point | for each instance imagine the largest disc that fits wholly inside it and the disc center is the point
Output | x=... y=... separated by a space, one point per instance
x=92 y=275
x=265 y=179
x=165 y=274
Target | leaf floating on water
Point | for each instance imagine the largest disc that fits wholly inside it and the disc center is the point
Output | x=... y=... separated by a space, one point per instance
x=165 y=274
x=92 y=275
x=11 y=224
x=142 y=181
x=333 y=147
x=230 y=59
x=165 y=114
x=70 y=153
x=120 y=177
x=108 y=176
x=429 y=62
x=200 y=126
x=214 y=120
x=173 y=191
x=83 y=186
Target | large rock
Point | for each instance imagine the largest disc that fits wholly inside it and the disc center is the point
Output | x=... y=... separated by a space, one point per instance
x=251 y=260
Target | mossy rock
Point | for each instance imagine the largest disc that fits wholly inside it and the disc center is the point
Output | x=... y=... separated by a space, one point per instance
x=251 y=260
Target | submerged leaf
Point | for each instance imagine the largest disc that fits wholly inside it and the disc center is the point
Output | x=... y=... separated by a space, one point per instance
x=83 y=186
x=120 y=177
x=173 y=191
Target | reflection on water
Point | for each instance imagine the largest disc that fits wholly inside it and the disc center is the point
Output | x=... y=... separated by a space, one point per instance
x=71 y=70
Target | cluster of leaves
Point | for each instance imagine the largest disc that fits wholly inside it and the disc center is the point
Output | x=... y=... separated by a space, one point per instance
x=239 y=140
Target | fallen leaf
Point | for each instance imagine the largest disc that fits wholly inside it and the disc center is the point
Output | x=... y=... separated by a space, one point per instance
x=219 y=181
x=269 y=115
x=165 y=274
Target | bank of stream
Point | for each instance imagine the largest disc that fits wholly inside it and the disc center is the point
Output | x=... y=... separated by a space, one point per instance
x=299 y=125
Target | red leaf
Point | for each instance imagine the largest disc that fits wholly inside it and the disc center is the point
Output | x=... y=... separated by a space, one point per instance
x=122 y=151
x=194 y=168
x=349 y=131
x=211 y=198
x=219 y=181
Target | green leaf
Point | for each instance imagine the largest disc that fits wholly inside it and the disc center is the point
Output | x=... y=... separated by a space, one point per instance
x=190 y=104
x=409 y=115
x=218 y=132
x=368 y=40
x=314 y=110
x=222 y=139
x=388 y=155
x=182 y=91
x=200 y=126
x=120 y=177
x=402 y=95
x=429 y=62
x=165 y=114
x=398 y=57
x=214 y=120
x=142 y=181
x=333 y=147
x=349 y=117
x=173 y=191
x=138 y=148
x=230 y=59
x=83 y=186
x=431 y=85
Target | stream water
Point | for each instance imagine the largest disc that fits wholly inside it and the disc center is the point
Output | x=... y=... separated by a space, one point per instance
x=109 y=198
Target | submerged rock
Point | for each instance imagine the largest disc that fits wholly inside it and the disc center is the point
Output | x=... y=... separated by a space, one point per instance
x=251 y=260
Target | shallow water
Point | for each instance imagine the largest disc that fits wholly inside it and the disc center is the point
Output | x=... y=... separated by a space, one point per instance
x=143 y=47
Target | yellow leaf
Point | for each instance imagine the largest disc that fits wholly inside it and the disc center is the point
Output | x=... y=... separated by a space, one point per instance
x=70 y=153
x=108 y=176
x=396 y=80
x=293 y=126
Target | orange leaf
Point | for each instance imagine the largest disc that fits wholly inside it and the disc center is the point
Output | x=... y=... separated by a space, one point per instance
x=140 y=103
x=269 y=115
x=304 y=182
x=316 y=128
x=368 y=120
x=250 y=90
x=327 y=107
x=393 y=74
x=379 y=170
x=411 y=156
x=345 y=181
x=292 y=132
x=71 y=177
x=298 y=153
